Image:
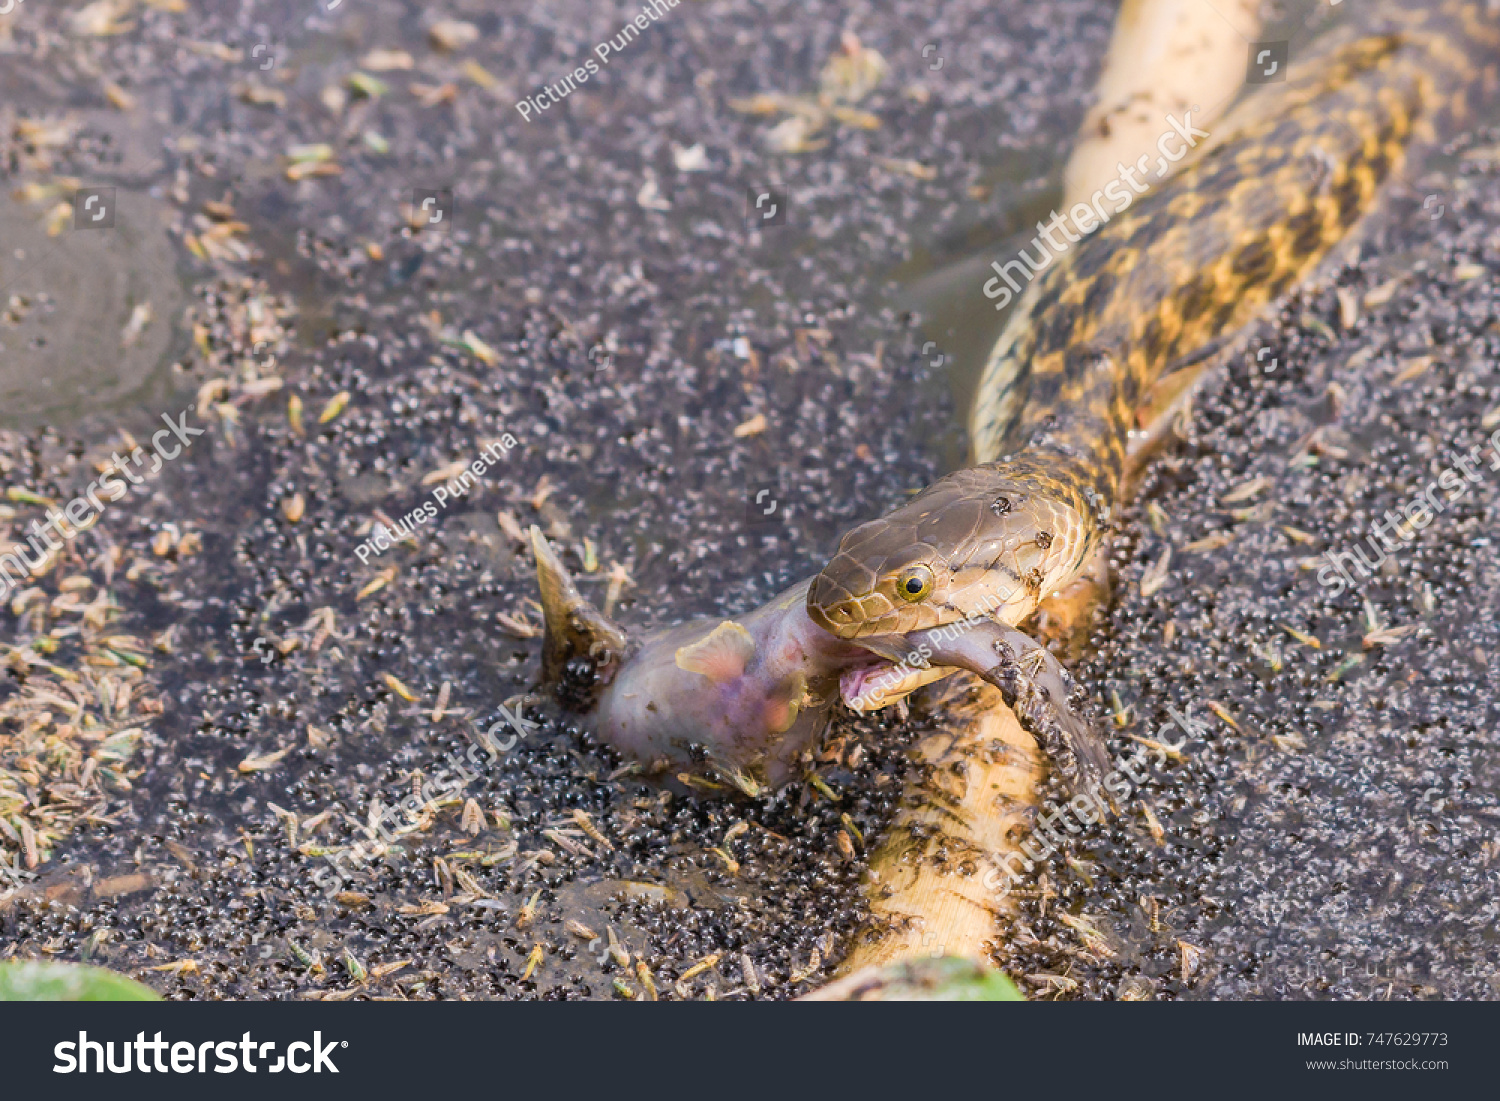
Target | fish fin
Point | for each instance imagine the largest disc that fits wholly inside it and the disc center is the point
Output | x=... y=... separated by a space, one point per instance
x=574 y=628
x=721 y=655
x=782 y=709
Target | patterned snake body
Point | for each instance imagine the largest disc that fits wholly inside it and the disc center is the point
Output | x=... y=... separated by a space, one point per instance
x=1289 y=171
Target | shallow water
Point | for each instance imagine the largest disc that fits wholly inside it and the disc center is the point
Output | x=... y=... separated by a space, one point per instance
x=92 y=315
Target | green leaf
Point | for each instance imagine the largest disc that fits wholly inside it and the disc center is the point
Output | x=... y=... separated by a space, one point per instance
x=32 y=981
x=310 y=154
x=944 y=979
x=371 y=87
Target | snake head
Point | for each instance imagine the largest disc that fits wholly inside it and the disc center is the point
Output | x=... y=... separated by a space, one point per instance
x=971 y=545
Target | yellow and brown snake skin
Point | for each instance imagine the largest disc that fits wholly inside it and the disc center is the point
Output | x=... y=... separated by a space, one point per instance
x=1286 y=175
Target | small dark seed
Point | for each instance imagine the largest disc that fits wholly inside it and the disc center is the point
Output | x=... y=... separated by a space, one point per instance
x=1000 y=506
x=1044 y=539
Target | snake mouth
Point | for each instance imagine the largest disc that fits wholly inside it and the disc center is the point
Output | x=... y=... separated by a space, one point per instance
x=894 y=669
x=881 y=683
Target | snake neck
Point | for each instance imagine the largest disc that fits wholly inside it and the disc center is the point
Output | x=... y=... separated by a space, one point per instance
x=1076 y=451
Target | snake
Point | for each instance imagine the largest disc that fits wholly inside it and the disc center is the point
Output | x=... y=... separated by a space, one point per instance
x=1289 y=171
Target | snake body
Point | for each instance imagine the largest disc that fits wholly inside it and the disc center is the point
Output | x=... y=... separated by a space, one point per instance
x=1287 y=174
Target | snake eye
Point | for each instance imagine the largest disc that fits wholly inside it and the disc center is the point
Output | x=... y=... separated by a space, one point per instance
x=914 y=584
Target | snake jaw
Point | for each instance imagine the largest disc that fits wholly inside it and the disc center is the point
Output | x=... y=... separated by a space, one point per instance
x=1034 y=684
x=873 y=687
